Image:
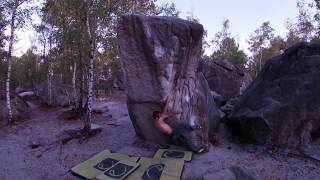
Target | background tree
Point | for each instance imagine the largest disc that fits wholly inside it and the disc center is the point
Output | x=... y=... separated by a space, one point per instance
x=226 y=47
x=167 y=9
x=84 y=36
x=19 y=12
x=45 y=38
x=316 y=4
x=258 y=41
x=276 y=46
x=305 y=23
x=27 y=70
x=292 y=34
x=3 y=24
x=191 y=17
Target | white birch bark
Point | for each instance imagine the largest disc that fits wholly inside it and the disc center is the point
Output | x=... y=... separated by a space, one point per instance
x=90 y=66
x=8 y=78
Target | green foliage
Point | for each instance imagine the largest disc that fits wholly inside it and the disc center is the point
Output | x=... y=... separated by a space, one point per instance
x=258 y=42
x=276 y=46
x=23 y=13
x=27 y=70
x=227 y=47
x=305 y=23
x=260 y=38
x=292 y=35
x=3 y=24
x=168 y=9
x=65 y=23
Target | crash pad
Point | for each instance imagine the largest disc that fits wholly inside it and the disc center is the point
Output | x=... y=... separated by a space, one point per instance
x=118 y=171
x=158 y=169
x=99 y=163
x=174 y=154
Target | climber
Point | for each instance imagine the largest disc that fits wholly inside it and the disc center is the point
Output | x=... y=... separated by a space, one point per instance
x=176 y=133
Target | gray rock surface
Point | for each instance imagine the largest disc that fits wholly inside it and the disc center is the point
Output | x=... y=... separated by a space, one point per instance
x=19 y=107
x=159 y=57
x=62 y=94
x=282 y=105
x=218 y=99
x=225 y=78
x=229 y=105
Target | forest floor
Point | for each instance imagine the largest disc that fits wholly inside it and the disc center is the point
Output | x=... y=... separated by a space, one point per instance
x=47 y=159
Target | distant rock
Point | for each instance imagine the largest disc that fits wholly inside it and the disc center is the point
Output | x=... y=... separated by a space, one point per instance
x=62 y=94
x=159 y=57
x=225 y=78
x=282 y=105
x=20 y=109
x=26 y=95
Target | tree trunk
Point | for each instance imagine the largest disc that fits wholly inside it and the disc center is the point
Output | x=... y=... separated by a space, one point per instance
x=50 y=73
x=90 y=87
x=90 y=67
x=74 y=83
x=9 y=56
x=80 y=100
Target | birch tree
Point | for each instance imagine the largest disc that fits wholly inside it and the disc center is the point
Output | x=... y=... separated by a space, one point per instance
x=305 y=24
x=46 y=37
x=19 y=13
x=50 y=71
x=91 y=28
x=258 y=41
x=3 y=24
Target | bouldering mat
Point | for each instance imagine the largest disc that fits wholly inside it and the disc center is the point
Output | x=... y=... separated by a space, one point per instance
x=158 y=169
x=99 y=163
x=119 y=171
x=174 y=153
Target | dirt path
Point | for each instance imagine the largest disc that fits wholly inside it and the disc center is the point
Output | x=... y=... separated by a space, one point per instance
x=18 y=160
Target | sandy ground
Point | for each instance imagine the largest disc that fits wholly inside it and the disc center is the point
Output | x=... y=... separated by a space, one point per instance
x=18 y=160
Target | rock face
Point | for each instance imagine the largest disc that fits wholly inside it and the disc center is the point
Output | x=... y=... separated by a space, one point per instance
x=159 y=57
x=225 y=78
x=62 y=95
x=19 y=107
x=282 y=105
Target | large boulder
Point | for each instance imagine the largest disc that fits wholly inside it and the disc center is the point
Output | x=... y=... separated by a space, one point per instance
x=159 y=57
x=282 y=105
x=225 y=78
x=20 y=108
x=62 y=95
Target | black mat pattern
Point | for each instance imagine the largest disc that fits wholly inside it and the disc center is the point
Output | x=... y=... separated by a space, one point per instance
x=153 y=172
x=105 y=164
x=118 y=171
x=172 y=154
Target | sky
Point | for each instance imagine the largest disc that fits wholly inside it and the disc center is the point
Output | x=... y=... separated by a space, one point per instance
x=245 y=16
